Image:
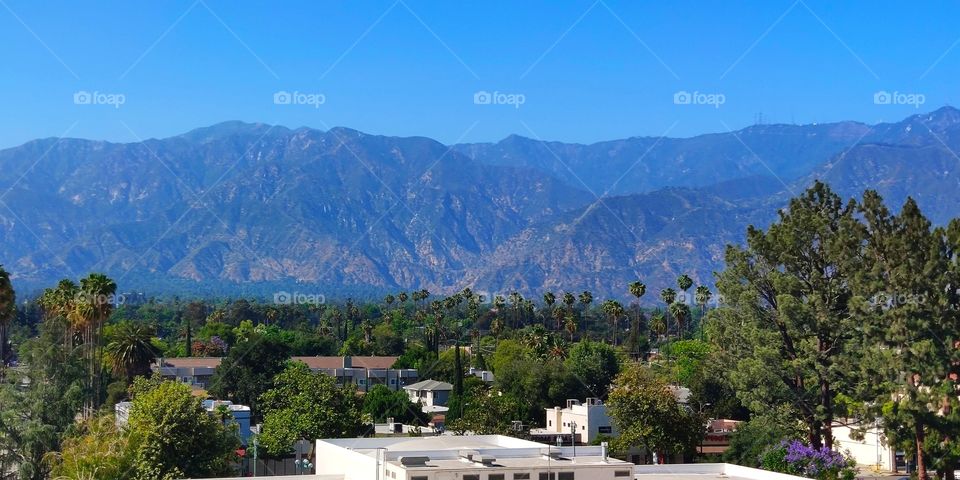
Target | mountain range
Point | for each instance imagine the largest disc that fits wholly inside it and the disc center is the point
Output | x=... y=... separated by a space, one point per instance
x=254 y=207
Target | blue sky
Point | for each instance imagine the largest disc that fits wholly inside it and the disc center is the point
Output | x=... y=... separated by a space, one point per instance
x=586 y=70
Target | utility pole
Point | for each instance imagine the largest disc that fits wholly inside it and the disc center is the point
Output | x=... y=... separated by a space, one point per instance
x=573 y=438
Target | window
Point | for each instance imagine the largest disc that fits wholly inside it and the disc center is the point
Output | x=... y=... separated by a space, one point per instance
x=621 y=473
x=419 y=477
x=495 y=476
x=521 y=476
x=465 y=477
x=565 y=476
x=606 y=429
x=549 y=423
x=548 y=476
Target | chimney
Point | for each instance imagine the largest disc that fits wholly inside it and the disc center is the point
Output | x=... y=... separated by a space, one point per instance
x=347 y=362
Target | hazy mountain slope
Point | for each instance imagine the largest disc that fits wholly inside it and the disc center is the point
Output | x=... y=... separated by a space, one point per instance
x=250 y=204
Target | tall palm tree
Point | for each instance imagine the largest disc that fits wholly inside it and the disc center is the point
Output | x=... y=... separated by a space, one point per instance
x=684 y=282
x=702 y=296
x=96 y=305
x=681 y=313
x=585 y=298
x=367 y=328
x=614 y=310
x=496 y=327
x=658 y=324
x=668 y=295
x=569 y=300
x=559 y=315
x=131 y=350
x=8 y=310
x=638 y=289
x=570 y=325
x=548 y=300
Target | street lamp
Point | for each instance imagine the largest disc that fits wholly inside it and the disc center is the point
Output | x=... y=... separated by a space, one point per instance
x=573 y=437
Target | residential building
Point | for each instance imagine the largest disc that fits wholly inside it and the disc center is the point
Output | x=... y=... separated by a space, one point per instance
x=717 y=439
x=364 y=372
x=240 y=414
x=589 y=419
x=430 y=393
x=485 y=375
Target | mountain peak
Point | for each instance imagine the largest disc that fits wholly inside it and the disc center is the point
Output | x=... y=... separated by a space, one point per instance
x=229 y=129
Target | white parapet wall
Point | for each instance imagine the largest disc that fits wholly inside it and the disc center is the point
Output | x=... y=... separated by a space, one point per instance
x=708 y=470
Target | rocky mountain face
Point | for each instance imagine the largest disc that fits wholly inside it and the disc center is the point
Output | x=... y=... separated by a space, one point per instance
x=247 y=204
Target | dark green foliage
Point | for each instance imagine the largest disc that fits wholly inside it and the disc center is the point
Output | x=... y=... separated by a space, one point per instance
x=381 y=403
x=248 y=370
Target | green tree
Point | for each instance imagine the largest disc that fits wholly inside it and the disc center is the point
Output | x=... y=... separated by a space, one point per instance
x=681 y=313
x=35 y=414
x=98 y=449
x=910 y=326
x=647 y=414
x=596 y=364
x=303 y=405
x=174 y=436
x=131 y=349
x=752 y=438
x=787 y=326
x=8 y=311
x=381 y=403
x=248 y=370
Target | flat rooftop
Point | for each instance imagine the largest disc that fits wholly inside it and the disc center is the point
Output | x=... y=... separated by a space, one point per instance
x=441 y=443
x=705 y=471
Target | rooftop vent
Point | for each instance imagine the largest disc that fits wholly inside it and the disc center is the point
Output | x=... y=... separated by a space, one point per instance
x=572 y=401
x=487 y=460
x=469 y=454
x=414 y=461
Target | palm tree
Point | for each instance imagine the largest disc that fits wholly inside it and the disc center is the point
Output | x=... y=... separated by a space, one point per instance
x=499 y=302
x=559 y=314
x=496 y=327
x=614 y=311
x=131 y=350
x=96 y=305
x=570 y=325
x=402 y=296
x=585 y=298
x=680 y=312
x=668 y=295
x=684 y=282
x=658 y=324
x=8 y=310
x=702 y=296
x=548 y=300
x=638 y=289
x=569 y=300
x=367 y=328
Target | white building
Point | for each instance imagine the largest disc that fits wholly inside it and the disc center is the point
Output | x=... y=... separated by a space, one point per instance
x=588 y=419
x=495 y=457
x=872 y=452
x=431 y=393
x=481 y=457
x=485 y=375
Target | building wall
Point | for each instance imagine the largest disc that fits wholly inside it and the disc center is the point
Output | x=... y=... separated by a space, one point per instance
x=350 y=464
x=865 y=451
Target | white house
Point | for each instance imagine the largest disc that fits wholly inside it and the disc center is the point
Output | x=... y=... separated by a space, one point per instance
x=872 y=452
x=587 y=420
x=431 y=393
